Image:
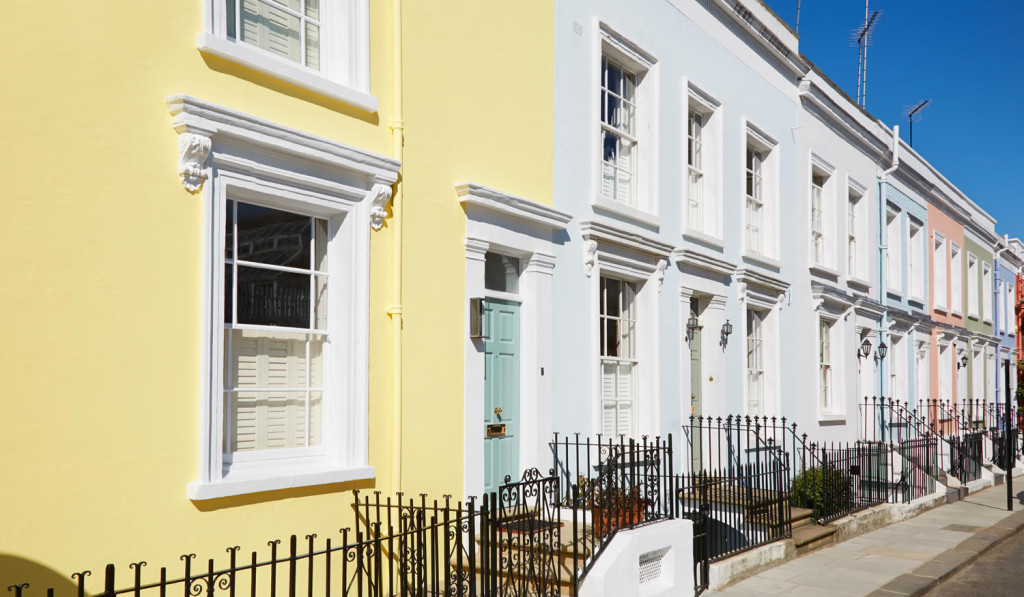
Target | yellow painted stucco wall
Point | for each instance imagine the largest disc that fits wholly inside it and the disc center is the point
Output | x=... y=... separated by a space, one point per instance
x=99 y=373
x=478 y=107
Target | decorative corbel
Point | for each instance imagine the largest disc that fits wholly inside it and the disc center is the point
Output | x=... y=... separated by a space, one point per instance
x=741 y=291
x=193 y=150
x=379 y=196
x=589 y=256
x=659 y=272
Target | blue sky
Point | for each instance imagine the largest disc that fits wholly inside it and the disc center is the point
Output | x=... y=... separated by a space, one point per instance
x=967 y=57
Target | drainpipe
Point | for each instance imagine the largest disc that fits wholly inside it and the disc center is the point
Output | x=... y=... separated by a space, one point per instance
x=883 y=251
x=995 y=302
x=395 y=310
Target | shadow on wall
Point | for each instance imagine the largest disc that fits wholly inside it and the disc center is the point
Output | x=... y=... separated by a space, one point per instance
x=15 y=571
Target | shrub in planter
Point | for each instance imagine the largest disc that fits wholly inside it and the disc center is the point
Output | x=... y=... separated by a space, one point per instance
x=824 y=489
x=616 y=508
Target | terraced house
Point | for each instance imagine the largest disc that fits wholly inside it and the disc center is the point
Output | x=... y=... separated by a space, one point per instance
x=301 y=253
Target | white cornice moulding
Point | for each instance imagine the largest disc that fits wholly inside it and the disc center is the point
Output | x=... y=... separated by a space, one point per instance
x=299 y=76
x=690 y=257
x=472 y=194
x=643 y=243
x=195 y=116
x=753 y=277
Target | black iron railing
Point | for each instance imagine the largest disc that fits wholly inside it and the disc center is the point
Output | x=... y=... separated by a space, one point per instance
x=957 y=430
x=612 y=483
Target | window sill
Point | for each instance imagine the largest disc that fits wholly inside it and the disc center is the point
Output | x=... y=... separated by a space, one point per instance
x=916 y=299
x=287 y=478
x=833 y=419
x=986 y=321
x=973 y=316
x=858 y=283
x=626 y=211
x=299 y=76
x=894 y=295
x=825 y=271
x=762 y=260
x=941 y=310
x=703 y=239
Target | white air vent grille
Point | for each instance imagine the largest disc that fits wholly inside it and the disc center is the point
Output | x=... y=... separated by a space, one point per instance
x=650 y=565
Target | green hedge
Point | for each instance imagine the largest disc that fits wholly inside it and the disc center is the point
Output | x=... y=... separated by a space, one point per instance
x=825 y=490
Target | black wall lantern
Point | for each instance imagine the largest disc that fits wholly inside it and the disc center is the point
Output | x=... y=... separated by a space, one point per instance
x=962 y=363
x=691 y=324
x=865 y=349
x=726 y=331
x=882 y=350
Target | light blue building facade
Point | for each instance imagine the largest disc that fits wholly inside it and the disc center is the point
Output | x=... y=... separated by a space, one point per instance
x=673 y=150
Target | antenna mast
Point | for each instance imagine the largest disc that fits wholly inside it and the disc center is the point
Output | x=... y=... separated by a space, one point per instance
x=915 y=110
x=862 y=36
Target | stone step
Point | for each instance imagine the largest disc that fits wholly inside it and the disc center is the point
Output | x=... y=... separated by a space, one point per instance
x=812 y=537
x=801 y=517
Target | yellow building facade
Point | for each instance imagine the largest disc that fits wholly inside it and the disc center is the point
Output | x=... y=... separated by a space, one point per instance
x=176 y=175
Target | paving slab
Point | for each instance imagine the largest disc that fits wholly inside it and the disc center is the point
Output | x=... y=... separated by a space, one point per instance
x=905 y=558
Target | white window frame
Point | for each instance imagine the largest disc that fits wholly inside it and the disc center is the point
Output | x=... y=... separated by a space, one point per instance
x=1009 y=313
x=977 y=378
x=987 y=310
x=854 y=259
x=760 y=194
x=973 y=284
x=703 y=212
x=754 y=336
x=626 y=318
x=945 y=390
x=898 y=369
x=894 y=252
x=940 y=267
x=915 y=256
x=345 y=52
x=922 y=370
x=827 y=378
x=956 y=278
x=642 y=204
x=256 y=161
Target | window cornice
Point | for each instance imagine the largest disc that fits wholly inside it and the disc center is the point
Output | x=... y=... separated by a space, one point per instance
x=204 y=119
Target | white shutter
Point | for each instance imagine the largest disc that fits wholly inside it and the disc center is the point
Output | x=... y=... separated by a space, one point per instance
x=608 y=402
x=624 y=162
x=617 y=398
x=275 y=418
x=625 y=395
x=271 y=29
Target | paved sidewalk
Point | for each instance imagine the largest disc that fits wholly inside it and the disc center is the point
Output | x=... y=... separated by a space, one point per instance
x=905 y=558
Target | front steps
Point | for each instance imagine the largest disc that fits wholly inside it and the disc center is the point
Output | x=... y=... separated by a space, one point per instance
x=807 y=536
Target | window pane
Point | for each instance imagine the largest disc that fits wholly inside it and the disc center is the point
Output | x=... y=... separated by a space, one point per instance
x=320 y=243
x=320 y=303
x=271 y=28
x=262 y=359
x=229 y=286
x=312 y=46
x=501 y=273
x=271 y=420
x=229 y=230
x=313 y=9
x=267 y=235
x=270 y=297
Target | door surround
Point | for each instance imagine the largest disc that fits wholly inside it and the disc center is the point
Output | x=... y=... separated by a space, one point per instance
x=518 y=227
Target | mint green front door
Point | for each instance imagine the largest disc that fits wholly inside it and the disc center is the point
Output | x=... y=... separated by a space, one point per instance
x=501 y=392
